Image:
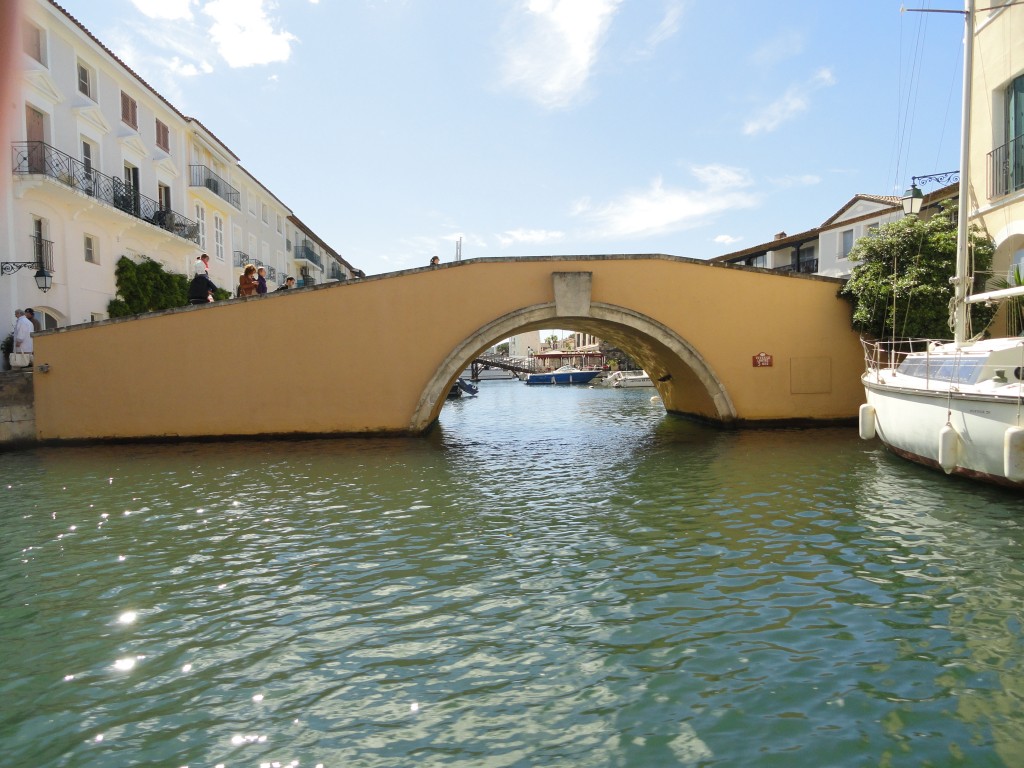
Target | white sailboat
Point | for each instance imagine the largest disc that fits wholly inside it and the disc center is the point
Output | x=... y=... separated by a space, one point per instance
x=953 y=405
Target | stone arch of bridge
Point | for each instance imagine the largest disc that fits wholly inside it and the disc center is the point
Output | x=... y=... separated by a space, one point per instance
x=684 y=379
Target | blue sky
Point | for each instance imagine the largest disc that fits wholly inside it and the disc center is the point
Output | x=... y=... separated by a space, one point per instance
x=548 y=127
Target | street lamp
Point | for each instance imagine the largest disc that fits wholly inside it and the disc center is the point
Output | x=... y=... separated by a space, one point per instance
x=913 y=198
x=44 y=280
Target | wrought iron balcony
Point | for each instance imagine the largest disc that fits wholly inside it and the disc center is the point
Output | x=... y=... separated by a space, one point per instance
x=42 y=252
x=806 y=267
x=37 y=157
x=304 y=252
x=201 y=176
x=240 y=258
x=1006 y=168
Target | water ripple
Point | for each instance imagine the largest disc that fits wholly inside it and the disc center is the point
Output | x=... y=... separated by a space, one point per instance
x=557 y=578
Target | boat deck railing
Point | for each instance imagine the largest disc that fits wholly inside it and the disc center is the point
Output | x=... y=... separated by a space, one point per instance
x=887 y=355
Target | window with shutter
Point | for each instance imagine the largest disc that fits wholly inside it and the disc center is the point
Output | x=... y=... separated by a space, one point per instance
x=129 y=111
x=163 y=137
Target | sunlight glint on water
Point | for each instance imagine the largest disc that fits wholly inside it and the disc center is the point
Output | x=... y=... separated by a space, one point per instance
x=555 y=576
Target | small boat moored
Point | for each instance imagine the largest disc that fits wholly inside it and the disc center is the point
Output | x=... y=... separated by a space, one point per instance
x=567 y=374
x=460 y=386
x=629 y=379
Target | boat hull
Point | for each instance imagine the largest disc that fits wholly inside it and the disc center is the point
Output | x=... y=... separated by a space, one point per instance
x=628 y=382
x=961 y=433
x=573 y=377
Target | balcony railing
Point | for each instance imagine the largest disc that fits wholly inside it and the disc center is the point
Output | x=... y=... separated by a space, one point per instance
x=201 y=176
x=1006 y=168
x=42 y=252
x=37 y=157
x=806 y=267
x=241 y=259
x=303 y=251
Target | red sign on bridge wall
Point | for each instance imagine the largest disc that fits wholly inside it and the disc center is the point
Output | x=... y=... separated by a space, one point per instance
x=762 y=360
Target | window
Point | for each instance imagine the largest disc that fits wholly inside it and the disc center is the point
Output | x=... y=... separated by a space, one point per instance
x=88 y=152
x=264 y=213
x=86 y=80
x=251 y=199
x=201 y=220
x=163 y=196
x=91 y=254
x=127 y=197
x=163 y=136
x=129 y=111
x=847 y=243
x=46 y=321
x=280 y=224
x=33 y=42
x=806 y=263
x=1016 y=273
x=218 y=237
x=1014 y=129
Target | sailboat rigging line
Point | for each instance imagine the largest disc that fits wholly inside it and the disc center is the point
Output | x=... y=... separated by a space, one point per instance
x=949 y=389
x=910 y=71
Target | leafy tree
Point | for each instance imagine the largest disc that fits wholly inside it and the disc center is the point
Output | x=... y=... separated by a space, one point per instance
x=147 y=287
x=912 y=260
x=503 y=349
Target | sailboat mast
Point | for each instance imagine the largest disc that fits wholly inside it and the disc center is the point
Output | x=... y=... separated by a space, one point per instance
x=961 y=281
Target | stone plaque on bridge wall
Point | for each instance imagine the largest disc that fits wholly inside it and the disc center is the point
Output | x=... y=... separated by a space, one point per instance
x=810 y=375
x=572 y=293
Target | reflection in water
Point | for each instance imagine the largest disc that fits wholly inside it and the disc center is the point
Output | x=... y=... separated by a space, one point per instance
x=560 y=577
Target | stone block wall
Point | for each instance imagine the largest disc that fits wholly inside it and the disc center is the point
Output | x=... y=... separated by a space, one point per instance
x=17 y=408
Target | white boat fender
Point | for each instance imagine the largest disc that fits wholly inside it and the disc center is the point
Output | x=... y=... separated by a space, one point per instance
x=866 y=418
x=1013 y=454
x=949 y=448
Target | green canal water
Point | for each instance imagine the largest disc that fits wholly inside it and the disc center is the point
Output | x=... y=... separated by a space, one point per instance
x=554 y=577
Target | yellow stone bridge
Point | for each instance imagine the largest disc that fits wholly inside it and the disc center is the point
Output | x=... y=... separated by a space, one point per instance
x=726 y=344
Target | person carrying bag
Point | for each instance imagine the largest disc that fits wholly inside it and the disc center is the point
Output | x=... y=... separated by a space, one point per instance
x=21 y=357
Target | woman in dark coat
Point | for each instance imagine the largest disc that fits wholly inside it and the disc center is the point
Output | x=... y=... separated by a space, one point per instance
x=200 y=290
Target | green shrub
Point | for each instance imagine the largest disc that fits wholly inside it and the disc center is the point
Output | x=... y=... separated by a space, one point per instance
x=146 y=287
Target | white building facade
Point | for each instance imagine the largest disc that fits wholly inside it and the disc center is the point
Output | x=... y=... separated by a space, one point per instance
x=102 y=166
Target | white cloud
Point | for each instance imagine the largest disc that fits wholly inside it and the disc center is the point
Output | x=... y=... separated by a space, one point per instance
x=668 y=27
x=554 y=47
x=727 y=239
x=659 y=210
x=244 y=35
x=531 y=236
x=795 y=100
x=165 y=9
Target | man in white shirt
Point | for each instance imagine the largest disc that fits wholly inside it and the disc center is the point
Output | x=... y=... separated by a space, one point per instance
x=23 y=335
x=202 y=265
